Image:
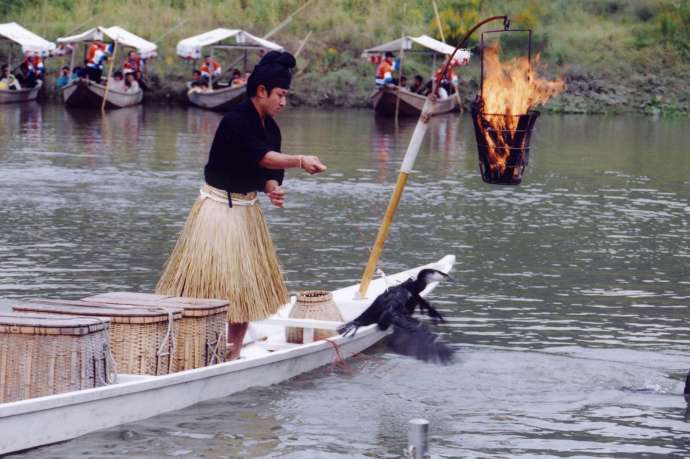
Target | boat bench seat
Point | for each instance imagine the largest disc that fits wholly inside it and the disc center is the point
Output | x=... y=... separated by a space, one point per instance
x=309 y=325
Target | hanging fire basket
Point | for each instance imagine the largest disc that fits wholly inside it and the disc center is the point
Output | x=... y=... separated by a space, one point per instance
x=502 y=139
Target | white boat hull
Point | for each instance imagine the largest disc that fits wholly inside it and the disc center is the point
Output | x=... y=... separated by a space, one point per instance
x=83 y=93
x=217 y=99
x=45 y=420
x=8 y=96
x=385 y=98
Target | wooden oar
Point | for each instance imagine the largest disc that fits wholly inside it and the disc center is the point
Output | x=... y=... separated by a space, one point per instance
x=110 y=73
x=406 y=168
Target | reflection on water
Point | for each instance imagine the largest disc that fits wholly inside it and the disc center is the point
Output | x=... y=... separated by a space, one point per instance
x=570 y=311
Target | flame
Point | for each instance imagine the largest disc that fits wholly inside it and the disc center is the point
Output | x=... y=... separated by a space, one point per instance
x=510 y=89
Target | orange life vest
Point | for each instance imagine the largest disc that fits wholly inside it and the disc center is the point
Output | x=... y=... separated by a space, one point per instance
x=384 y=67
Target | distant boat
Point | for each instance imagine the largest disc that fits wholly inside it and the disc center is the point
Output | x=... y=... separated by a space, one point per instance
x=30 y=43
x=385 y=98
x=20 y=95
x=84 y=93
x=267 y=359
x=217 y=95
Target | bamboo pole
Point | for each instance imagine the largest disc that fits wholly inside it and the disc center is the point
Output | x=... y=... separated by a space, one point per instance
x=110 y=74
x=397 y=93
x=438 y=21
x=301 y=46
x=286 y=21
x=405 y=170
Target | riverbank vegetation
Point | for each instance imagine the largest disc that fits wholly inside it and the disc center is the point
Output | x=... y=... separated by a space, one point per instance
x=615 y=55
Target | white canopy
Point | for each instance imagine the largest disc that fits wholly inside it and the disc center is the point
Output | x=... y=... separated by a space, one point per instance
x=29 y=41
x=123 y=37
x=190 y=48
x=422 y=40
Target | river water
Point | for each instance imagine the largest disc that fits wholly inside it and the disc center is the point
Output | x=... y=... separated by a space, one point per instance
x=569 y=314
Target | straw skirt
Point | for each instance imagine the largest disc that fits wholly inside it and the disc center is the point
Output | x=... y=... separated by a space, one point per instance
x=226 y=253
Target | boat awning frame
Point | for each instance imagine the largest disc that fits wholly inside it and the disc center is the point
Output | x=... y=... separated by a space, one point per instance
x=406 y=43
x=29 y=41
x=146 y=48
x=191 y=48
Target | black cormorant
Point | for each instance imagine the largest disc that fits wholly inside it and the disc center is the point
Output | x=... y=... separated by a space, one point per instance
x=395 y=307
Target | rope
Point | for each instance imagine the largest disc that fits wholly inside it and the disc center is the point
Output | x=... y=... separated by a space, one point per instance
x=214 y=348
x=168 y=340
x=338 y=360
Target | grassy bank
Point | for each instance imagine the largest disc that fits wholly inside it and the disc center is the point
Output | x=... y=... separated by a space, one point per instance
x=616 y=55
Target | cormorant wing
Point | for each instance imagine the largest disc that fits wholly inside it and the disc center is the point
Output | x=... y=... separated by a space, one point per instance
x=411 y=337
x=392 y=299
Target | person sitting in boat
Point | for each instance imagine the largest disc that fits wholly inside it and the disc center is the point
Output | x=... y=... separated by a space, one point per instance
x=417 y=85
x=403 y=82
x=26 y=75
x=210 y=69
x=117 y=82
x=132 y=63
x=64 y=78
x=197 y=82
x=449 y=80
x=35 y=63
x=384 y=72
x=237 y=78
x=7 y=80
x=131 y=84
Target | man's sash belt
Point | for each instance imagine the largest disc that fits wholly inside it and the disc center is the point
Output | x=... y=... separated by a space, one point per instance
x=233 y=199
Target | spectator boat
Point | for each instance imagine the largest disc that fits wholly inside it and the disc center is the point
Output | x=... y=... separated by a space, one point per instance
x=29 y=43
x=385 y=98
x=218 y=95
x=84 y=93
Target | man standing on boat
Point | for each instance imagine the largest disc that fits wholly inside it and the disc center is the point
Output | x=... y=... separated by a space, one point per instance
x=225 y=250
x=384 y=72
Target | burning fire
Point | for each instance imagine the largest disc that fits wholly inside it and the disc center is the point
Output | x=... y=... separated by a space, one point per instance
x=511 y=89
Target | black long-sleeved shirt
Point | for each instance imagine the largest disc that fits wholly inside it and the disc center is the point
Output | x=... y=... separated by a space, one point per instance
x=241 y=141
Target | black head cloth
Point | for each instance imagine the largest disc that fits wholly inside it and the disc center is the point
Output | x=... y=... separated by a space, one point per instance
x=273 y=71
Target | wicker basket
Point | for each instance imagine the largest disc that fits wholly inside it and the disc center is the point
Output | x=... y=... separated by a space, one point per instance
x=313 y=304
x=201 y=340
x=50 y=355
x=142 y=339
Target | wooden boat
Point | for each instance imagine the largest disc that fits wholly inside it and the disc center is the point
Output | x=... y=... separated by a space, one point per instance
x=385 y=98
x=221 y=98
x=216 y=99
x=30 y=43
x=20 y=95
x=84 y=93
x=266 y=359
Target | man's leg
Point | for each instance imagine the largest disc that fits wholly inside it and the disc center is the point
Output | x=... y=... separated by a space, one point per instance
x=236 y=332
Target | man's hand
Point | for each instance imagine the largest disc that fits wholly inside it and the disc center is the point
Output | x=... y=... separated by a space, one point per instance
x=275 y=193
x=312 y=164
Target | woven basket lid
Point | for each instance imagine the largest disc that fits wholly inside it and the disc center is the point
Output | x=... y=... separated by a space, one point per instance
x=192 y=307
x=118 y=315
x=34 y=324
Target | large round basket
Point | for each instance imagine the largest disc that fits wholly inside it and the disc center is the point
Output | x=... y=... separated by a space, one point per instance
x=313 y=304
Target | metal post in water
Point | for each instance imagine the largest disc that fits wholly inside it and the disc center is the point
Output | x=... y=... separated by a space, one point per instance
x=418 y=439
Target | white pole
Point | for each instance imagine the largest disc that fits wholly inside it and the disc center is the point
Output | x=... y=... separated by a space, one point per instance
x=418 y=439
